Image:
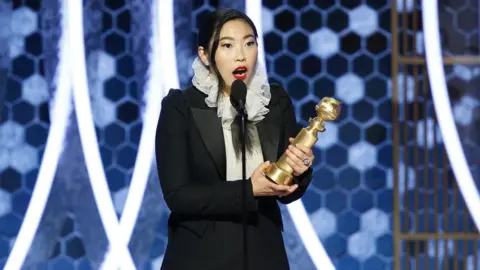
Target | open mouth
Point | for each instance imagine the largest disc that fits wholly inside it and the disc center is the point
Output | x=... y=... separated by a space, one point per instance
x=240 y=73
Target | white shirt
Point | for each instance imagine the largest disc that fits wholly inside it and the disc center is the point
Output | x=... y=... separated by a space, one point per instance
x=234 y=164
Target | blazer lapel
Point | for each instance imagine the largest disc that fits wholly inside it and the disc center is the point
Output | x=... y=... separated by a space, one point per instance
x=269 y=134
x=211 y=131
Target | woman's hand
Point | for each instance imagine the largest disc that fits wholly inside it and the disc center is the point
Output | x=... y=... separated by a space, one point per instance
x=264 y=187
x=299 y=157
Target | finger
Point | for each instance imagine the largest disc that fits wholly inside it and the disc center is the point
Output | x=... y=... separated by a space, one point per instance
x=300 y=157
x=260 y=169
x=291 y=139
x=290 y=190
x=307 y=151
x=296 y=151
x=295 y=159
x=297 y=169
x=296 y=166
x=281 y=189
x=263 y=166
x=290 y=161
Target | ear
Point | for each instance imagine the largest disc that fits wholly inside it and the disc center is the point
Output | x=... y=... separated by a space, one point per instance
x=203 y=55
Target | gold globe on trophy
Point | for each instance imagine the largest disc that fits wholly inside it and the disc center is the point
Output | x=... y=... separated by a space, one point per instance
x=328 y=109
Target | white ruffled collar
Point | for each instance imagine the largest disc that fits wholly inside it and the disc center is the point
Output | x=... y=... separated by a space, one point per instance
x=258 y=94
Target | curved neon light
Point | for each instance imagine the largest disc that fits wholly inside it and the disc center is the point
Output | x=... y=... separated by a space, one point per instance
x=433 y=52
x=253 y=8
x=61 y=110
x=297 y=211
x=163 y=54
x=95 y=170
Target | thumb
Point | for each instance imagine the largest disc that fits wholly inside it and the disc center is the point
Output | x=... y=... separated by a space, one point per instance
x=280 y=188
x=264 y=165
x=260 y=168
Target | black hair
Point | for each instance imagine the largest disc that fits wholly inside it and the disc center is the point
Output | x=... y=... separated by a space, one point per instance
x=209 y=31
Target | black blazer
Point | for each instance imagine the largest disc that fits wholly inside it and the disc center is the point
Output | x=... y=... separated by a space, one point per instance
x=205 y=224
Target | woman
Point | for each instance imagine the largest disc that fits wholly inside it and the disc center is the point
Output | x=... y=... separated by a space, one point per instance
x=199 y=158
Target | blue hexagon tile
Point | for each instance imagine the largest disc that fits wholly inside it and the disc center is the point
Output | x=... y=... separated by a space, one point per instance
x=459 y=22
x=324 y=43
x=5 y=202
x=349 y=88
x=464 y=110
x=329 y=137
x=25 y=21
x=363 y=20
x=362 y=156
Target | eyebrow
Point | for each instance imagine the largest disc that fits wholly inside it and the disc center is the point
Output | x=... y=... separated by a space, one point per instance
x=230 y=38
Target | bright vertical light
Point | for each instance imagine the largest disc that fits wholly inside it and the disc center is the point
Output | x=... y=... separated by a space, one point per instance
x=160 y=81
x=253 y=9
x=436 y=75
x=88 y=137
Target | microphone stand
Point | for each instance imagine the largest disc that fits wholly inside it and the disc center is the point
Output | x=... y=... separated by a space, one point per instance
x=244 y=187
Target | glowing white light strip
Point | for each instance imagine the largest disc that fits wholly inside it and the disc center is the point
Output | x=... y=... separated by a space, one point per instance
x=163 y=54
x=61 y=111
x=296 y=209
x=253 y=9
x=443 y=109
x=309 y=237
x=160 y=81
x=88 y=137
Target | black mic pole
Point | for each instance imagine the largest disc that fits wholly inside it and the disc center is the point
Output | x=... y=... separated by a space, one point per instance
x=244 y=189
x=238 y=99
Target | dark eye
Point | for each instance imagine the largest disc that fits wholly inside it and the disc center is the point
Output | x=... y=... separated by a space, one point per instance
x=251 y=43
x=227 y=45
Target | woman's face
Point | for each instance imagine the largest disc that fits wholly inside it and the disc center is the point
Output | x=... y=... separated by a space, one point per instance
x=237 y=52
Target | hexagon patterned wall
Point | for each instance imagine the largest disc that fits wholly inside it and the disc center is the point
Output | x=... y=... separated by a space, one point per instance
x=313 y=48
x=341 y=50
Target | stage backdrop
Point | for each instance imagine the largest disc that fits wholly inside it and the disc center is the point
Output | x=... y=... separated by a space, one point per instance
x=313 y=48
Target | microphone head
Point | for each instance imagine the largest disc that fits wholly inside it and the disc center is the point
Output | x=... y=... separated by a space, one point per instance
x=238 y=94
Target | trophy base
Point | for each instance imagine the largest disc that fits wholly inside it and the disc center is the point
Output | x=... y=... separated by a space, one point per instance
x=277 y=175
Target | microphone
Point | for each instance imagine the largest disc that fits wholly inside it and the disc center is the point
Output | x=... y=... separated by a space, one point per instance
x=238 y=96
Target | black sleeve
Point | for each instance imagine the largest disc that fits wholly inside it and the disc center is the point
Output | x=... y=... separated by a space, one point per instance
x=291 y=130
x=182 y=193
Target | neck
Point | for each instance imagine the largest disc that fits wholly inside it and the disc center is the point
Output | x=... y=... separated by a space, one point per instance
x=226 y=91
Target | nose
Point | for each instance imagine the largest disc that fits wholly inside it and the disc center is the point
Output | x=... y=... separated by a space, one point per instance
x=240 y=56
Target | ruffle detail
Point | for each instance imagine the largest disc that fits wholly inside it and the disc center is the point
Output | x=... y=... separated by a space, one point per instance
x=258 y=94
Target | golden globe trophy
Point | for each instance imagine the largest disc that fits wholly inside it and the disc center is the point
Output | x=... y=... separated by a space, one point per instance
x=327 y=110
